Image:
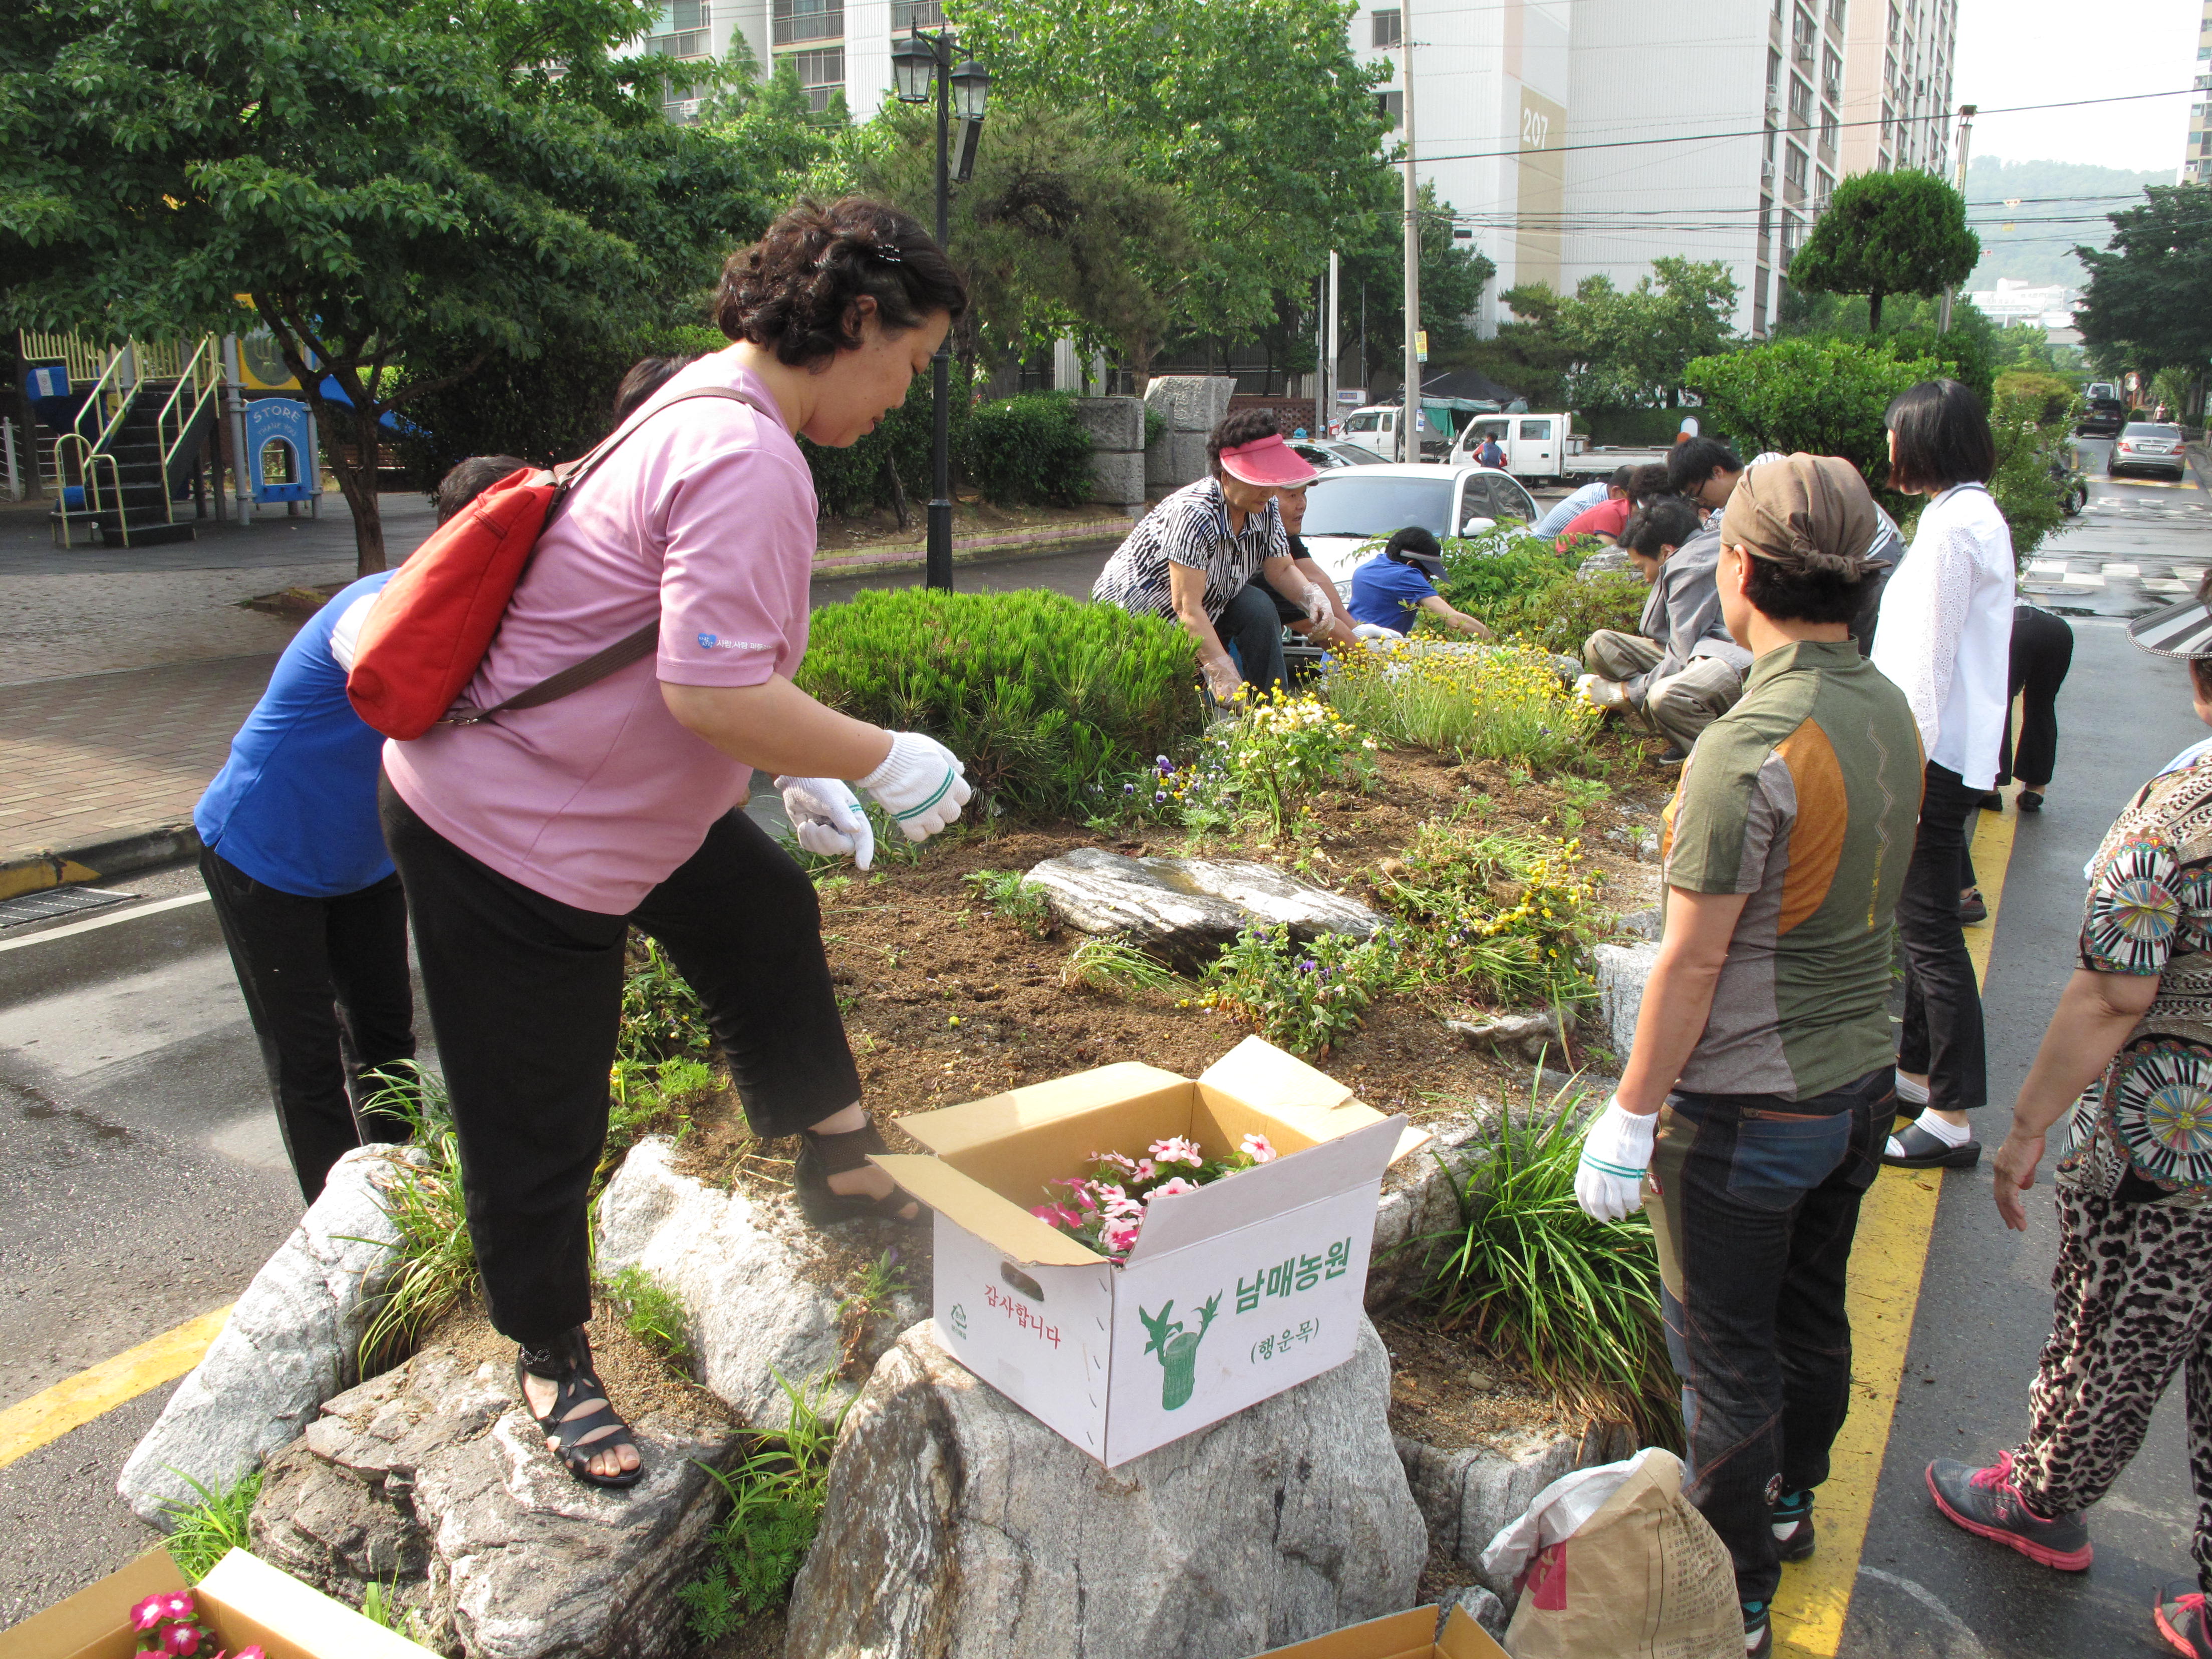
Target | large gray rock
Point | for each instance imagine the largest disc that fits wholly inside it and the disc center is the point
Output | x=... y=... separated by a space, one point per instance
x=760 y=1290
x=1466 y=1496
x=432 y=1480
x=956 y=1524
x=1113 y=423
x=1190 y=403
x=1184 y=910
x=1174 y=459
x=1117 y=477
x=288 y=1344
x=1420 y=1208
x=1621 y=970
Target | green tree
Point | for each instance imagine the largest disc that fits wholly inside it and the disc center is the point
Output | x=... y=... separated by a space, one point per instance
x=1823 y=396
x=1604 y=347
x=1887 y=233
x=1256 y=111
x=1059 y=231
x=1453 y=273
x=2035 y=453
x=2149 y=302
x=380 y=177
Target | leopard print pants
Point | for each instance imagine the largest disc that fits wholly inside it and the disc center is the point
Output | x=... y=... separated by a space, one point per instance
x=2134 y=1295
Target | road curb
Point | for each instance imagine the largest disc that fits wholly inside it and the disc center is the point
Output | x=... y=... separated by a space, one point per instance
x=142 y=849
x=967 y=549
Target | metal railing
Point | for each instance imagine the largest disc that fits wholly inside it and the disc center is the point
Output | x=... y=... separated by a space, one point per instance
x=201 y=376
x=85 y=447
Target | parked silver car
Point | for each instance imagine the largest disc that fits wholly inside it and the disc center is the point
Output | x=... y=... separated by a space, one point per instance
x=1324 y=453
x=2144 y=447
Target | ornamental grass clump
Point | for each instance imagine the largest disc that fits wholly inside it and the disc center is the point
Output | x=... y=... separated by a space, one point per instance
x=1047 y=702
x=1302 y=997
x=1105 y=1209
x=1502 y=702
x=1574 y=1299
x=1497 y=918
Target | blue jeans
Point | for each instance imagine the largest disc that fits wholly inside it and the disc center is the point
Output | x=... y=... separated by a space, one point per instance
x=1758 y=1202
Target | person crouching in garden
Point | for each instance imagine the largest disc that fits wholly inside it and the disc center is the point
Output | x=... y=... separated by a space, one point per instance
x=1751 y=1113
x=2128 y=1054
x=531 y=843
x=1398 y=586
x=1194 y=556
x=1683 y=670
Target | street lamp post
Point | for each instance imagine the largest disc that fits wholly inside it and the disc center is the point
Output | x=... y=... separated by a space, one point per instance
x=919 y=62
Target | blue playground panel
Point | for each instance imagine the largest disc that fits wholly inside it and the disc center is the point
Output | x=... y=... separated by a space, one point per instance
x=285 y=423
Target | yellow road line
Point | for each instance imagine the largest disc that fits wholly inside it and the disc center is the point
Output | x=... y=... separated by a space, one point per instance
x=49 y=1414
x=1883 y=1296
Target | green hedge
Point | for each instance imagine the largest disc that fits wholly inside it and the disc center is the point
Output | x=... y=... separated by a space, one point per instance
x=1051 y=703
x=1028 y=449
x=1638 y=429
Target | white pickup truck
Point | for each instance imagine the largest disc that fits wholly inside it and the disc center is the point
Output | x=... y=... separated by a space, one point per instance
x=1541 y=448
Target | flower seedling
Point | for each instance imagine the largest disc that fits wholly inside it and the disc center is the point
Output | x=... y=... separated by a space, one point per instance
x=1106 y=1208
x=168 y=1624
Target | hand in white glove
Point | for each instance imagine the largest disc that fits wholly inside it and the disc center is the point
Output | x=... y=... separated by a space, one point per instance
x=1601 y=692
x=1616 y=1153
x=1221 y=677
x=1319 y=611
x=921 y=784
x=827 y=817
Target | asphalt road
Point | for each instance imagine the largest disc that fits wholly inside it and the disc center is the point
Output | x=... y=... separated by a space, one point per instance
x=1925 y=1589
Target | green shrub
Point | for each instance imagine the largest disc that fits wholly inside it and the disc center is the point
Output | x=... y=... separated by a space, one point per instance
x=2052 y=398
x=1114 y=966
x=1574 y=1299
x=2029 y=446
x=1825 y=396
x=1044 y=699
x=776 y=1506
x=205 y=1532
x=1486 y=574
x=1302 y=997
x=1638 y=429
x=1028 y=449
x=1559 y=615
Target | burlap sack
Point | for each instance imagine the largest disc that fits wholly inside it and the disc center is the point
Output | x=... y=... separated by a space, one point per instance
x=1616 y=1563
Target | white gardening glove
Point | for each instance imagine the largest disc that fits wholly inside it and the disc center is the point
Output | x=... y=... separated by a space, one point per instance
x=921 y=784
x=1616 y=1153
x=1600 y=692
x=826 y=818
x=1319 y=611
x=1221 y=678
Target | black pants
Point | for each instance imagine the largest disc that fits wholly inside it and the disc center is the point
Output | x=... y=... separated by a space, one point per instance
x=325 y=986
x=1757 y=1203
x=1942 y=1030
x=2042 y=652
x=1253 y=623
x=526 y=999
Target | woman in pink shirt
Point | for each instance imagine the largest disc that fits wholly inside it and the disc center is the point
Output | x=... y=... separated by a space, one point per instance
x=531 y=843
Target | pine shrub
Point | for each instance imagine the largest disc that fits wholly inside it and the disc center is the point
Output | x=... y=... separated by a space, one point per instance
x=1027 y=450
x=1046 y=701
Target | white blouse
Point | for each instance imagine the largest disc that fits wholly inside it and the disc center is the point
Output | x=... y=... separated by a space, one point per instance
x=1945 y=634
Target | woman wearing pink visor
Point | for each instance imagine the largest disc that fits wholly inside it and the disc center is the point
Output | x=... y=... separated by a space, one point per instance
x=1192 y=556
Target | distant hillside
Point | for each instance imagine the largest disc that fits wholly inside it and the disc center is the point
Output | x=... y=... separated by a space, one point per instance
x=2044 y=253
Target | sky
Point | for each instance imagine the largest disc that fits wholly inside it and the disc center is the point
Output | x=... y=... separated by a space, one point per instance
x=2038 y=51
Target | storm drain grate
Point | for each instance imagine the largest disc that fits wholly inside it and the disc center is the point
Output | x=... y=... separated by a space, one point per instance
x=52 y=902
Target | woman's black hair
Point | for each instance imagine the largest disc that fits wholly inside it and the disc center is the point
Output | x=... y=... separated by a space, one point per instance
x=1414 y=541
x=1243 y=426
x=1942 y=438
x=796 y=290
x=1690 y=463
x=1663 y=522
x=645 y=377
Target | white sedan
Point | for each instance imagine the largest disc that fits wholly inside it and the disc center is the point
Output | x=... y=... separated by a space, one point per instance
x=1351 y=508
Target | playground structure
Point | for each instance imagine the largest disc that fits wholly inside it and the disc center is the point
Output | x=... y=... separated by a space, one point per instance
x=134 y=433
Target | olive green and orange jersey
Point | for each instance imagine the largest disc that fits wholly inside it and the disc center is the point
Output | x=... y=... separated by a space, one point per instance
x=1805 y=797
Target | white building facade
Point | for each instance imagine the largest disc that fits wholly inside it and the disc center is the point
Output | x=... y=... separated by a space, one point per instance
x=2197 y=155
x=835 y=45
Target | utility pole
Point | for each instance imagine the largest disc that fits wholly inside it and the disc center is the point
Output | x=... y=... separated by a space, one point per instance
x=1408 y=422
x=1321 y=357
x=1330 y=341
x=1966 y=142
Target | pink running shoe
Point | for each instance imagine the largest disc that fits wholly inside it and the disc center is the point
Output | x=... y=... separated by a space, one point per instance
x=1985 y=1502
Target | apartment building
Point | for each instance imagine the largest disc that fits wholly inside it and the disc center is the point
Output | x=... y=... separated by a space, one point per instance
x=1586 y=136
x=834 y=46
x=2197 y=157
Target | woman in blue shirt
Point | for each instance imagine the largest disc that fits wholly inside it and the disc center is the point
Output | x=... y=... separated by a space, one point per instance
x=1392 y=589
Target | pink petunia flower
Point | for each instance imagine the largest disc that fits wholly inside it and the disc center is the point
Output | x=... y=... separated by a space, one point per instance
x=1178 y=1150
x=1170 y=1188
x=1145 y=1168
x=1257 y=1148
x=181 y=1639
x=179 y=1604
x=147 y=1614
x=1118 y=1237
x=1118 y=1160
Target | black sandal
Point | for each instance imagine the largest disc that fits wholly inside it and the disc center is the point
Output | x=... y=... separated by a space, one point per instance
x=576 y=1429
x=821 y=1157
x=1918 y=1150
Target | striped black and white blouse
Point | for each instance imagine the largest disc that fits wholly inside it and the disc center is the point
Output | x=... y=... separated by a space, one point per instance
x=1190 y=528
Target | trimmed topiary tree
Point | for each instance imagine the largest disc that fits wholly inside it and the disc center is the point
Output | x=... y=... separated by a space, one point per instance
x=1888 y=232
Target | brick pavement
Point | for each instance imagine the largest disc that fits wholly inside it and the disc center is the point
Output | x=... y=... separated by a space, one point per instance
x=98 y=756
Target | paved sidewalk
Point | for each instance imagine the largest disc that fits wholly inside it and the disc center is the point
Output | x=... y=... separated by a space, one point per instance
x=96 y=756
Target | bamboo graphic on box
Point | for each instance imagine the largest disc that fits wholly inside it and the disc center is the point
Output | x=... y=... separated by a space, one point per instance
x=1177 y=1347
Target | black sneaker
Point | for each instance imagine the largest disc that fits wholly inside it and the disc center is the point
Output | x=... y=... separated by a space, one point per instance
x=1972 y=910
x=1793 y=1526
x=1985 y=1502
x=1758 y=1631
x=1673 y=755
x=2179 y=1613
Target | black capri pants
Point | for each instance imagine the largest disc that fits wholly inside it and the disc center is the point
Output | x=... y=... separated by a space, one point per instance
x=2042 y=652
x=525 y=996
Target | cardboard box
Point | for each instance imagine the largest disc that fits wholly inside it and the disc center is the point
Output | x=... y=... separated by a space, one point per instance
x=1233 y=1293
x=245 y=1602
x=1399 y=1636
